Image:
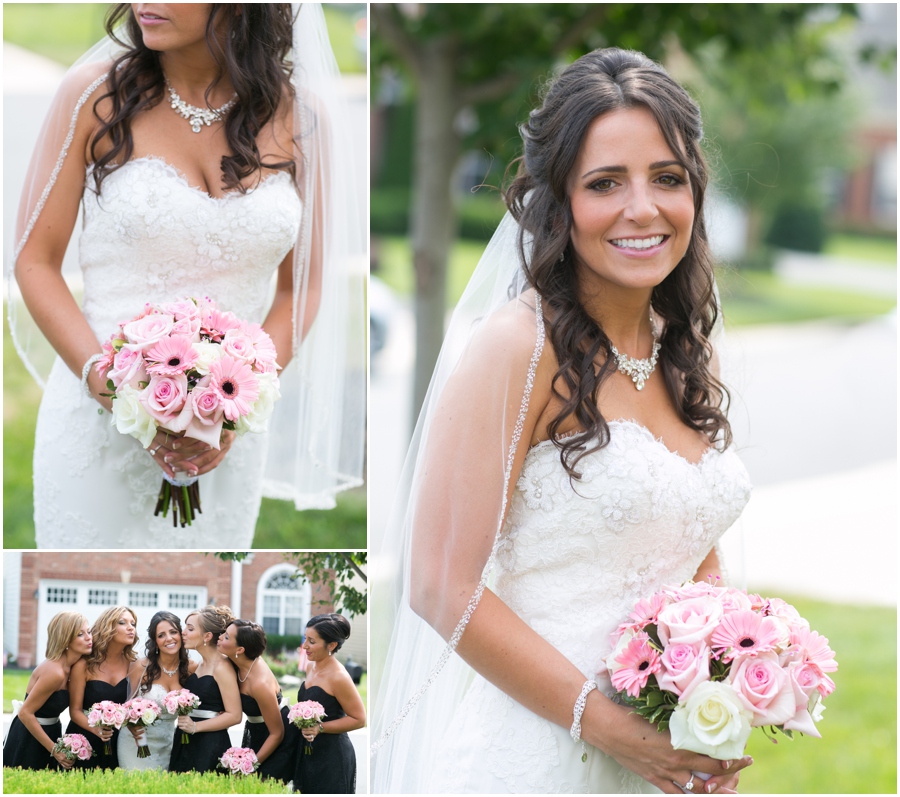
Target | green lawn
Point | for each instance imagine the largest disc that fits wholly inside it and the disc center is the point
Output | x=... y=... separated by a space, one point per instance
x=14 y=684
x=748 y=297
x=882 y=250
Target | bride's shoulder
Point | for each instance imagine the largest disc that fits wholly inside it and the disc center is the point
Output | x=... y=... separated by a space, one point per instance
x=83 y=79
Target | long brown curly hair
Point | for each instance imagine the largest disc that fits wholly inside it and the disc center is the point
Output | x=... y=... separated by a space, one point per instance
x=599 y=82
x=253 y=53
x=103 y=630
x=151 y=651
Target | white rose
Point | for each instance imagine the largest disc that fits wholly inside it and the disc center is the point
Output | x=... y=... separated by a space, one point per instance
x=712 y=722
x=207 y=354
x=130 y=417
x=257 y=420
x=148 y=717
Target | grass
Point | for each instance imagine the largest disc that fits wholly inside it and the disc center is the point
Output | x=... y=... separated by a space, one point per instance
x=14 y=685
x=749 y=297
x=279 y=525
x=875 y=249
x=64 y=31
x=119 y=781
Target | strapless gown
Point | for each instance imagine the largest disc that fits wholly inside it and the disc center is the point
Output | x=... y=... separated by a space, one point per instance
x=203 y=751
x=96 y=692
x=159 y=737
x=331 y=767
x=280 y=764
x=151 y=237
x=21 y=749
x=642 y=518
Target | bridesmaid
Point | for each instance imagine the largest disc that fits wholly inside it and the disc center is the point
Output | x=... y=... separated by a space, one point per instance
x=266 y=731
x=331 y=768
x=36 y=728
x=215 y=683
x=103 y=676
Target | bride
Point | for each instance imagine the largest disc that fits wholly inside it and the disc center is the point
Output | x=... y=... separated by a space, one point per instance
x=572 y=457
x=201 y=140
x=164 y=668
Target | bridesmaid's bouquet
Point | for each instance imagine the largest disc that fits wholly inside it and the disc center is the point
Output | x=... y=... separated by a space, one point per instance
x=142 y=712
x=75 y=746
x=106 y=714
x=239 y=761
x=710 y=663
x=307 y=714
x=191 y=369
x=181 y=702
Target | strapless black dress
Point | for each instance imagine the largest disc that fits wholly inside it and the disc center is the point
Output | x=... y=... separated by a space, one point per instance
x=203 y=751
x=96 y=692
x=22 y=749
x=281 y=763
x=331 y=768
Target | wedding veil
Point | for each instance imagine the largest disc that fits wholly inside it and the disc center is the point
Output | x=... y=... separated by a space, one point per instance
x=317 y=431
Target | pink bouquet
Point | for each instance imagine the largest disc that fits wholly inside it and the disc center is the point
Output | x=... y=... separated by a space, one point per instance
x=710 y=663
x=106 y=714
x=181 y=702
x=75 y=746
x=190 y=369
x=141 y=712
x=239 y=761
x=307 y=714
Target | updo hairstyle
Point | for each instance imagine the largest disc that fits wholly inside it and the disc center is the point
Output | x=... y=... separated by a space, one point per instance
x=213 y=620
x=251 y=637
x=332 y=628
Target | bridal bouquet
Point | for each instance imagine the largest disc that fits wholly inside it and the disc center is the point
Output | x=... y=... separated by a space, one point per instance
x=307 y=714
x=710 y=663
x=106 y=714
x=239 y=761
x=181 y=702
x=141 y=712
x=192 y=369
x=75 y=746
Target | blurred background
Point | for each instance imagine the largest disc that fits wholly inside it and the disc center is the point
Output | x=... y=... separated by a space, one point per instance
x=800 y=110
x=40 y=41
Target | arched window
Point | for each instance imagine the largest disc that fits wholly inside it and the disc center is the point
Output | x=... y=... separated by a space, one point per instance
x=283 y=601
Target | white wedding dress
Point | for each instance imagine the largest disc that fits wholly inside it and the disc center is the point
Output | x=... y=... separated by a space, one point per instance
x=151 y=237
x=572 y=563
x=159 y=737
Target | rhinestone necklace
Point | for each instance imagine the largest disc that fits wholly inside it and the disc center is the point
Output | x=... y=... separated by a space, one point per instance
x=197 y=117
x=638 y=370
x=170 y=673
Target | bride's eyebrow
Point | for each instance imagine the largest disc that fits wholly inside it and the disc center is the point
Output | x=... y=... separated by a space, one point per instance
x=624 y=169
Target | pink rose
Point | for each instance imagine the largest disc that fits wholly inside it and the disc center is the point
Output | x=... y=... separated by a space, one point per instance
x=246 y=766
x=187 y=319
x=238 y=345
x=84 y=754
x=94 y=717
x=764 y=688
x=146 y=331
x=733 y=600
x=683 y=667
x=690 y=621
x=208 y=414
x=165 y=400
x=76 y=742
x=128 y=367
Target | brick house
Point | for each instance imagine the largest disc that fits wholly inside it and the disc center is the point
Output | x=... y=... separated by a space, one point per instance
x=37 y=585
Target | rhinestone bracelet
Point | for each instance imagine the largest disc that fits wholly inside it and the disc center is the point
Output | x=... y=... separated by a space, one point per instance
x=85 y=372
x=575 y=733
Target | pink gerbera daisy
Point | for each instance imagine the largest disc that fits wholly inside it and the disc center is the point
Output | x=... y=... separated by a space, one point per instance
x=236 y=385
x=647 y=610
x=745 y=632
x=639 y=660
x=170 y=356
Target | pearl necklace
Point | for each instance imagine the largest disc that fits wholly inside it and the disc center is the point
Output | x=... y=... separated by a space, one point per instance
x=197 y=117
x=638 y=370
x=248 y=671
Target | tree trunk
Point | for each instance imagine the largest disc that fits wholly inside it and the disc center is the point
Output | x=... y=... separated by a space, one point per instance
x=437 y=148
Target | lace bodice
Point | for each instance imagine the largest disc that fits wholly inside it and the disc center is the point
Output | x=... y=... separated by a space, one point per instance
x=574 y=559
x=157 y=692
x=151 y=237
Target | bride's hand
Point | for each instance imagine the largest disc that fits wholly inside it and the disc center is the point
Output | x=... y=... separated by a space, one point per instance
x=176 y=452
x=637 y=745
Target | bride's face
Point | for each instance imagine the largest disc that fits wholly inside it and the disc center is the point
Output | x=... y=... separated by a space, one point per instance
x=632 y=203
x=168 y=638
x=172 y=26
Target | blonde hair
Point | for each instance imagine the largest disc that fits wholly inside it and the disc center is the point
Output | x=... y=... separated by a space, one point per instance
x=104 y=629
x=213 y=620
x=63 y=628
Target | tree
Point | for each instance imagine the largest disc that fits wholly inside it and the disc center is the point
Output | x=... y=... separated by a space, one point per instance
x=488 y=58
x=334 y=571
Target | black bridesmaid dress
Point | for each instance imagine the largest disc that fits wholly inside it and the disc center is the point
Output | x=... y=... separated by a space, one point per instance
x=22 y=749
x=281 y=763
x=96 y=692
x=203 y=751
x=331 y=767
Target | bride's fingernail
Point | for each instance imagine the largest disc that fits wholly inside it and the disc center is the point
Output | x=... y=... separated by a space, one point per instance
x=726 y=764
x=176 y=445
x=167 y=459
x=710 y=788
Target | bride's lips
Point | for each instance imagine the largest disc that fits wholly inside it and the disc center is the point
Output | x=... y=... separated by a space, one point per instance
x=146 y=18
x=630 y=251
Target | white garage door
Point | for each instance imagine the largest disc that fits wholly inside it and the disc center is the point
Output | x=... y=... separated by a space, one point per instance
x=92 y=598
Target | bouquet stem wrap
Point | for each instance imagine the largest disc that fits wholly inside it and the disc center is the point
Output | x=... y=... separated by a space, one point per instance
x=182 y=495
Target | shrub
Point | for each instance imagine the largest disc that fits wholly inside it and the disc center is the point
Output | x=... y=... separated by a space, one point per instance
x=798 y=227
